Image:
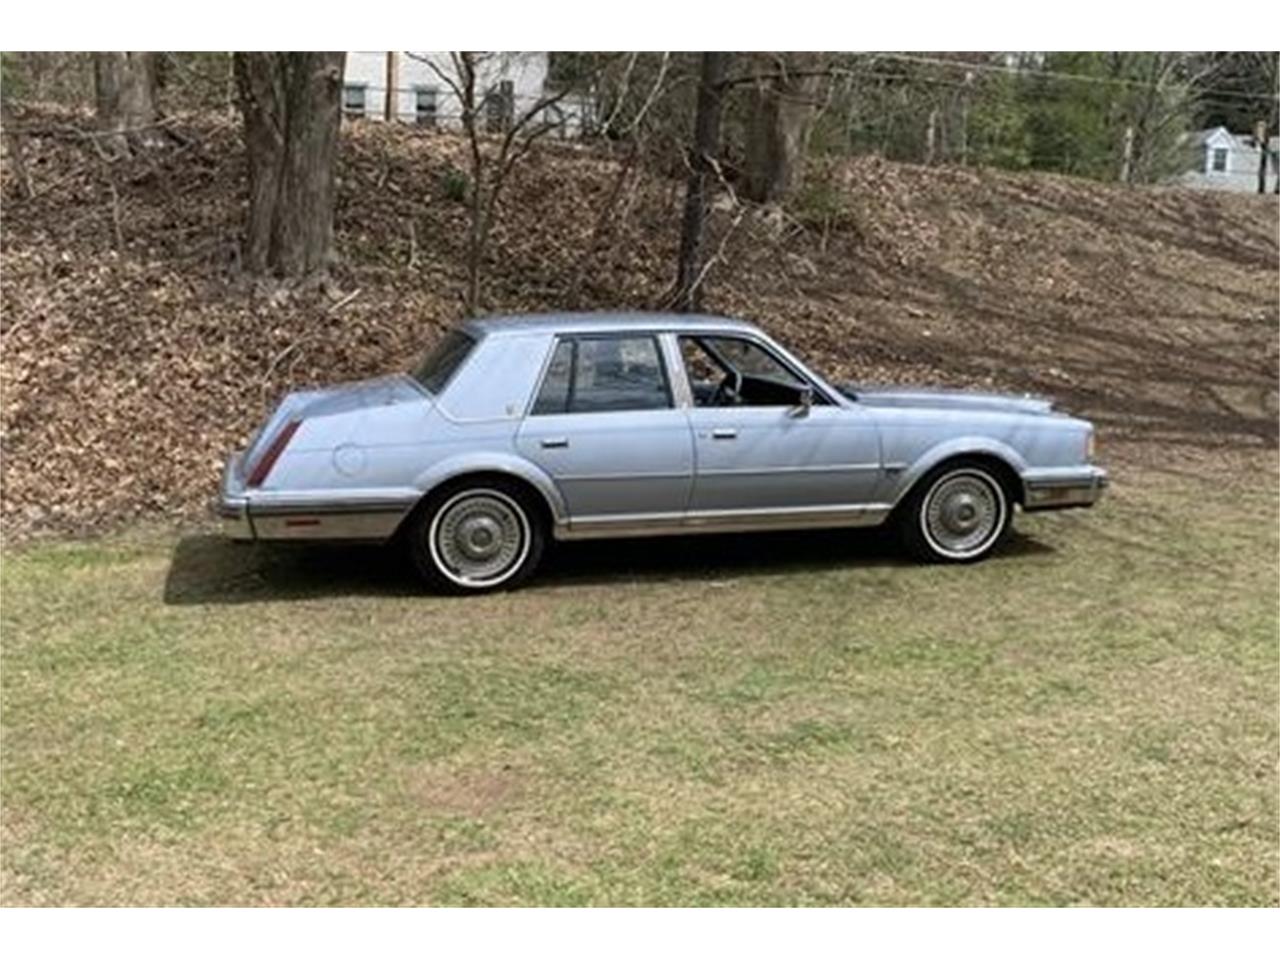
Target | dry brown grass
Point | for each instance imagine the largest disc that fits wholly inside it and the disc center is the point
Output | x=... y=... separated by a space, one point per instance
x=1088 y=718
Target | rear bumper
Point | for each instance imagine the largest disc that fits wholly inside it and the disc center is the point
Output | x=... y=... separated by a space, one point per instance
x=1064 y=489
x=232 y=506
x=369 y=515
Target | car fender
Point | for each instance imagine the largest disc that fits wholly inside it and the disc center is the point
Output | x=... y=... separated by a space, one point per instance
x=495 y=462
x=955 y=447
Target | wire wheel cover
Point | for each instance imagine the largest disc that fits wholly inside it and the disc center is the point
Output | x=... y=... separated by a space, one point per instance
x=479 y=538
x=963 y=513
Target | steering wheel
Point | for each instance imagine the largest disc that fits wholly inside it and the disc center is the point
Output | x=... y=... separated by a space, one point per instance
x=728 y=391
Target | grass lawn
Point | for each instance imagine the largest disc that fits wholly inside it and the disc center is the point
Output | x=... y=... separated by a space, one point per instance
x=1088 y=718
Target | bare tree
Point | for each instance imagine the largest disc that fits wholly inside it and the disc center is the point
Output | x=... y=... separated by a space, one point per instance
x=702 y=164
x=631 y=95
x=492 y=158
x=1268 y=70
x=782 y=106
x=125 y=94
x=1165 y=95
x=292 y=107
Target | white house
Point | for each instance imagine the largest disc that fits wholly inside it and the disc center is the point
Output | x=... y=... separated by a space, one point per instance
x=419 y=83
x=1221 y=160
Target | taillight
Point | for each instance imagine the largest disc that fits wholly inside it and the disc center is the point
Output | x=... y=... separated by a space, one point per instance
x=272 y=454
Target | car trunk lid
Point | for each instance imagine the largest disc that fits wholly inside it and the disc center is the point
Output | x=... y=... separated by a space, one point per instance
x=301 y=405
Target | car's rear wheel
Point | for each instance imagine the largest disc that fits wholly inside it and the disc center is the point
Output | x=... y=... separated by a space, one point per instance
x=958 y=513
x=477 y=536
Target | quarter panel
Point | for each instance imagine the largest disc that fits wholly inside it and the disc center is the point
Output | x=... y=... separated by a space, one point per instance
x=492 y=460
x=433 y=451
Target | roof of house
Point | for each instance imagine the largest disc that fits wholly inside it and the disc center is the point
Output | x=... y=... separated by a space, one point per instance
x=1244 y=141
x=1202 y=137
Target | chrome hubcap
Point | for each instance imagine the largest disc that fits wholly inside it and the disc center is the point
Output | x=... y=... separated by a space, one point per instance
x=479 y=538
x=963 y=513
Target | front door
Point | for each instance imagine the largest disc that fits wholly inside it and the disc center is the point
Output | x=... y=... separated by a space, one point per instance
x=604 y=427
x=758 y=447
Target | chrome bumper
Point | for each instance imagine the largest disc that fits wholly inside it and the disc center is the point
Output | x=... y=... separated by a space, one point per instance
x=373 y=516
x=232 y=506
x=1060 y=490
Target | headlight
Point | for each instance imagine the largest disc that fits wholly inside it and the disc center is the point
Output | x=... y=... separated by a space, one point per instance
x=1090 y=446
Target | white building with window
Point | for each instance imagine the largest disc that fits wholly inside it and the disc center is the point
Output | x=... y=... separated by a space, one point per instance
x=420 y=90
x=1221 y=160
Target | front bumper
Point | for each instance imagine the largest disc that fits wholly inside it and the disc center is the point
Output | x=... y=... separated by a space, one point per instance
x=1064 y=489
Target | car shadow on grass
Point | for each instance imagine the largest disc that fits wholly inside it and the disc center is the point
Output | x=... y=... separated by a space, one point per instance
x=211 y=569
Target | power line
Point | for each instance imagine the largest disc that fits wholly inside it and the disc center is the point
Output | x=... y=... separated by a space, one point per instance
x=1010 y=70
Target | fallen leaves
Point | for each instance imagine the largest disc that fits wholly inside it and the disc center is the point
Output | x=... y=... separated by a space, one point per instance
x=129 y=374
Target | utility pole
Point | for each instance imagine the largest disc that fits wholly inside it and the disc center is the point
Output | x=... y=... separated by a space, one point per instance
x=930 y=136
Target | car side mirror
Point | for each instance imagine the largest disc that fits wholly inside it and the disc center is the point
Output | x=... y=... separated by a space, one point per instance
x=804 y=402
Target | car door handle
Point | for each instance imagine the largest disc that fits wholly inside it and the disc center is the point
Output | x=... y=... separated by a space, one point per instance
x=549 y=443
x=723 y=433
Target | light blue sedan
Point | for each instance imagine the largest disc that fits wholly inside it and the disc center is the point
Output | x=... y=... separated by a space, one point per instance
x=574 y=426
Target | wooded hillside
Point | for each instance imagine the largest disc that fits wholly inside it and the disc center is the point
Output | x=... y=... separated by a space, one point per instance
x=135 y=359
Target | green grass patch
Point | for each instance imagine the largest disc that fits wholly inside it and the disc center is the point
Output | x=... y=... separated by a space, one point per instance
x=1088 y=718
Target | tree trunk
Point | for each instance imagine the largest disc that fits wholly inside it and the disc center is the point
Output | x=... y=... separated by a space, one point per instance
x=392 y=78
x=1126 y=156
x=1142 y=151
x=292 y=106
x=125 y=90
x=15 y=150
x=778 y=129
x=465 y=66
x=706 y=144
x=1260 y=134
x=931 y=137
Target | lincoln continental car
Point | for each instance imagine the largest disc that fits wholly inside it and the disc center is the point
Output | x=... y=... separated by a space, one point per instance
x=518 y=429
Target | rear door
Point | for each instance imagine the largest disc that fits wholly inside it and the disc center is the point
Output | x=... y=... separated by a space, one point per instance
x=604 y=426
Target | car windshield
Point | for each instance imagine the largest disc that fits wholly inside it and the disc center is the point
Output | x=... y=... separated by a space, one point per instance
x=445 y=358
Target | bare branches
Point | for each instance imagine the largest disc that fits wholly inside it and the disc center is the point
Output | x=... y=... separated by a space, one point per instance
x=623 y=86
x=492 y=160
x=444 y=77
x=649 y=101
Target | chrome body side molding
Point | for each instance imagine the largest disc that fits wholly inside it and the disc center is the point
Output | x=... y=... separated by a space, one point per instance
x=722 y=521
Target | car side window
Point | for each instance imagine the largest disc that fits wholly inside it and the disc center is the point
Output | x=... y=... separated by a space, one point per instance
x=730 y=371
x=603 y=374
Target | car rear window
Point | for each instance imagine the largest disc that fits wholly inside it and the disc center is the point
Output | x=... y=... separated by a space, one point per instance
x=443 y=360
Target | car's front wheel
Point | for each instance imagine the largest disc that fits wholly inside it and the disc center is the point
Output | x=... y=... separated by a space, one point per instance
x=477 y=536
x=959 y=513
